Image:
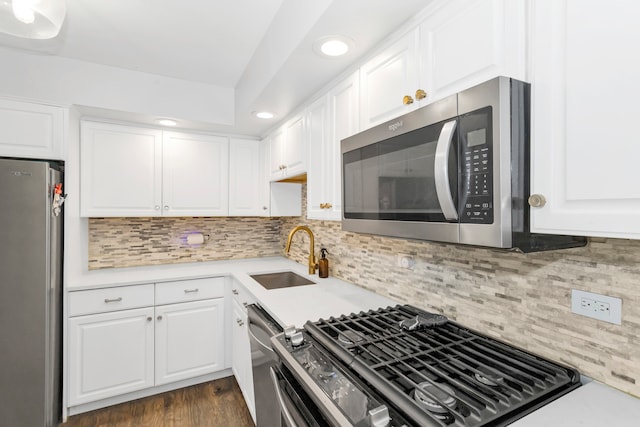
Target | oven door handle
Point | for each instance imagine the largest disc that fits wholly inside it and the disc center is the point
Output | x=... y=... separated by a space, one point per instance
x=441 y=170
x=288 y=419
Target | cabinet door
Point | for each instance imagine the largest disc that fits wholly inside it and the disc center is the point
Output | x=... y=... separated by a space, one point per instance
x=317 y=134
x=245 y=181
x=584 y=114
x=344 y=118
x=120 y=170
x=110 y=354
x=241 y=355
x=31 y=130
x=264 y=181
x=195 y=175
x=386 y=79
x=467 y=42
x=295 y=152
x=189 y=340
x=276 y=150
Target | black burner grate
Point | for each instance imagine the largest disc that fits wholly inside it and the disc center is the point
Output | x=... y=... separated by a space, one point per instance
x=492 y=383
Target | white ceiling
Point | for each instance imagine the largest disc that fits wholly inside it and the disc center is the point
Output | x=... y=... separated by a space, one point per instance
x=262 y=48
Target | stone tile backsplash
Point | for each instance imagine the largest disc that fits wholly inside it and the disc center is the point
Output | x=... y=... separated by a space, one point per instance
x=523 y=299
x=129 y=242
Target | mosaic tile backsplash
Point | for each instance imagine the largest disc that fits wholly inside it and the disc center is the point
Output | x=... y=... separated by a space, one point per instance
x=523 y=299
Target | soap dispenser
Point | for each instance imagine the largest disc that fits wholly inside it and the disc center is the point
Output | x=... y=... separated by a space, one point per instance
x=323 y=264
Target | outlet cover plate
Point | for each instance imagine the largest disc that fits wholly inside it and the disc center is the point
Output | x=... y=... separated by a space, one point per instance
x=601 y=307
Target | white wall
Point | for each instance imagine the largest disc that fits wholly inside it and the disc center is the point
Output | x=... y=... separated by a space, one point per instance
x=68 y=82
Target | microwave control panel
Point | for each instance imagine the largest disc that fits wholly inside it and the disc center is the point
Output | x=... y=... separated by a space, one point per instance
x=477 y=182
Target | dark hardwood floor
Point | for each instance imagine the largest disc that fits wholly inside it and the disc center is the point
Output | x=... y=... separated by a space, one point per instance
x=216 y=403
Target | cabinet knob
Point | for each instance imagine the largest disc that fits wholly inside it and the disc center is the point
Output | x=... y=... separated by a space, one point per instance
x=537 y=200
x=420 y=94
x=322 y=205
x=234 y=291
x=159 y=317
x=157 y=207
x=264 y=208
x=166 y=207
x=328 y=205
x=240 y=322
x=407 y=100
x=149 y=319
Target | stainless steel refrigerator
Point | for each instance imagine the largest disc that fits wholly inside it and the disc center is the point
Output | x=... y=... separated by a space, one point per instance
x=30 y=293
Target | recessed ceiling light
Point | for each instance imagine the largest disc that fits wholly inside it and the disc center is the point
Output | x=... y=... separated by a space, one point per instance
x=333 y=46
x=166 y=122
x=264 y=115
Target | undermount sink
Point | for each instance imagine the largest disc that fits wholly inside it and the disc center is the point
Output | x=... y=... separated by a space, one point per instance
x=281 y=279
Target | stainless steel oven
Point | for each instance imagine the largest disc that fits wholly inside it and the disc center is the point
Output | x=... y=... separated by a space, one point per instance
x=456 y=171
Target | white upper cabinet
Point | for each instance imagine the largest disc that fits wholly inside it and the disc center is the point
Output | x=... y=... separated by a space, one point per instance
x=132 y=171
x=329 y=120
x=387 y=78
x=120 y=170
x=287 y=150
x=459 y=44
x=246 y=182
x=195 y=171
x=584 y=112
x=31 y=130
x=465 y=43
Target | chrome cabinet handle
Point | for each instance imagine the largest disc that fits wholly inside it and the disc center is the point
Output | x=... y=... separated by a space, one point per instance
x=108 y=300
x=191 y=291
x=441 y=171
x=157 y=207
x=166 y=207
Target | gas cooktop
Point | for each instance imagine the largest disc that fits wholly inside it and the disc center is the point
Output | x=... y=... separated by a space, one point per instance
x=436 y=372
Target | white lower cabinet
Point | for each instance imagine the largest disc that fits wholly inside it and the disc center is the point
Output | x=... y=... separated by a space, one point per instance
x=117 y=348
x=189 y=340
x=111 y=354
x=241 y=355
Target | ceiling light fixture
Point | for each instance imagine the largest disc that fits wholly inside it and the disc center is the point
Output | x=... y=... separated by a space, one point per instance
x=32 y=19
x=264 y=115
x=333 y=46
x=166 y=122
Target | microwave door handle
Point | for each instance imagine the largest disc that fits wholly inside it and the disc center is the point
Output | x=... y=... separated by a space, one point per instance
x=441 y=171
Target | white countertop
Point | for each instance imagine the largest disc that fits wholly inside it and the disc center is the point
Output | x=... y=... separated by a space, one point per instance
x=592 y=405
x=289 y=306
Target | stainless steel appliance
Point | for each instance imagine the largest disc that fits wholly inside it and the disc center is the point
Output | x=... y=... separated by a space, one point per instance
x=30 y=294
x=261 y=328
x=456 y=171
x=401 y=366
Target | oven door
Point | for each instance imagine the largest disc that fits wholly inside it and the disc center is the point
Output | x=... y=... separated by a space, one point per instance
x=401 y=178
x=296 y=408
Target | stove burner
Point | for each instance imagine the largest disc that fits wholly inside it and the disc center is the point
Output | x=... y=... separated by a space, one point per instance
x=349 y=337
x=488 y=377
x=442 y=392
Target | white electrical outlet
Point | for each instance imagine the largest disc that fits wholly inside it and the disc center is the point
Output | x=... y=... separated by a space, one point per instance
x=597 y=306
x=406 y=261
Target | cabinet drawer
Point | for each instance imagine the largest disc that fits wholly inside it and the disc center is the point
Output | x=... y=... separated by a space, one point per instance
x=241 y=295
x=110 y=299
x=189 y=290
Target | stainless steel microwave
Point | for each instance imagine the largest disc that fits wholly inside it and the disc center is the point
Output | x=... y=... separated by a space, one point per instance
x=456 y=170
